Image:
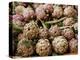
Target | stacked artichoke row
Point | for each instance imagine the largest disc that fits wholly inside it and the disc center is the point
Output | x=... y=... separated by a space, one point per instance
x=40 y=29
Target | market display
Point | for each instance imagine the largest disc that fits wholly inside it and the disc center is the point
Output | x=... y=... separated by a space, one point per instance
x=42 y=29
